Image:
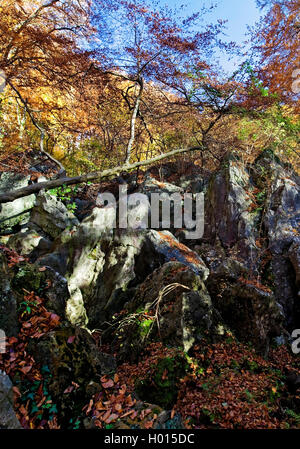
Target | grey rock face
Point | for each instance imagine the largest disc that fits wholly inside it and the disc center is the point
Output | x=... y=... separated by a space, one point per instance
x=248 y=309
x=8 y=419
x=282 y=223
x=51 y=215
x=8 y=301
x=227 y=214
x=251 y=213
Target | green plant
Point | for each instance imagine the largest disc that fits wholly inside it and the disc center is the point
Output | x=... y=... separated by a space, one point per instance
x=31 y=396
x=295 y=416
x=26 y=307
x=63 y=194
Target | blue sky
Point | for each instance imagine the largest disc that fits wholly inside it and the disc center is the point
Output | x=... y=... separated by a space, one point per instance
x=239 y=14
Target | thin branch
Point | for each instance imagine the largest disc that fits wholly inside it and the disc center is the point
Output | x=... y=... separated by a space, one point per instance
x=41 y=130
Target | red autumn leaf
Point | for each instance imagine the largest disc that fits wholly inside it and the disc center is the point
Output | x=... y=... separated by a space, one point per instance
x=108 y=384
x=106 y=415
x=90 y=406
x=111 y=418
x=16 y=391
x=69 y=389
x=55 y=318
x=12 y=340
x=26 y=369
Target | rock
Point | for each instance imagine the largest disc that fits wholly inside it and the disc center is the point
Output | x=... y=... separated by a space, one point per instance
x=151 y=185
x=160 y=389
x=47 y=283
x=8 y=419
x=228 y=218
x=17 y=212
x=160 y=194
x=70 y=355
x=51 y=215
x=252 y=219
x=199 y=319
x=30 y=240
x=294 y=256
x=185 y=312
x=29 y=277
x=83 y=208
x=8 y=301
x=282 y=224
x=194 y=184
x=56 y=293
x=249 y=310
x=164 y=245
x=101 y=263
x=228 y=215
x=128 y=259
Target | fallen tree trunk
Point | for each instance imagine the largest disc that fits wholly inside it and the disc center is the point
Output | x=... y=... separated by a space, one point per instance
x=35 y=188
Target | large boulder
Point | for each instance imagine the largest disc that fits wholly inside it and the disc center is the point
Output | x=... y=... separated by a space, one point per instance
x=252 y=220
x=75 y=366
x=51 y=215
x=248 y=308
x=30 y=240
x=8 y=419
x=173 y=306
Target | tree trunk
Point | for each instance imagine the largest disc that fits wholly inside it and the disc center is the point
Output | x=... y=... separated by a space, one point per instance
x=35 y=188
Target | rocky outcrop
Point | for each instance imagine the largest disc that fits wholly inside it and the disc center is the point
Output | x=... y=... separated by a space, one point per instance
x=228 y=217
x=252 y=217
x=247 y=262
x=71 y=355
x=101 y=263
x=282 y=227
x=137 y=288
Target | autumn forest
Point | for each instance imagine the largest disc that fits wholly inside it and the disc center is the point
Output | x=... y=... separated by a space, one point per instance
x=110 y=329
